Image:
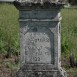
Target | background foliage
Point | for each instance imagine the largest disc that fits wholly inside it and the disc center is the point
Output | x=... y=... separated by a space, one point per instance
x=69 y=30
x=73 y=2
x=9 y=29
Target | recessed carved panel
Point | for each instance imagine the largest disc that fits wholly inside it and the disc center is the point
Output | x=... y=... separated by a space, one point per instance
x=39 y=45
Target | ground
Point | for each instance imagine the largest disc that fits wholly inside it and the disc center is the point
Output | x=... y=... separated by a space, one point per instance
x=8 y=67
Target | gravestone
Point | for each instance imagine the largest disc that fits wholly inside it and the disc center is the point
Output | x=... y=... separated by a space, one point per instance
x=40 y=54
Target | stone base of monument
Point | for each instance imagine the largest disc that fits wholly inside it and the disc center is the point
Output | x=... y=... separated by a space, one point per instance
x=40 y=38
x=40 y=71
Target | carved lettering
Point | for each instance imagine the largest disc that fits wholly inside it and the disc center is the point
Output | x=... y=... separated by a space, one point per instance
x=36 y=58
x=38 y=47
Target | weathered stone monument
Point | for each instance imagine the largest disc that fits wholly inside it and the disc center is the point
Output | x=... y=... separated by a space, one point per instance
x=40 y=54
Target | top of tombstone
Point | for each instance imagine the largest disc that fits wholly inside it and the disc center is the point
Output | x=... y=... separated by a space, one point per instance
x=41 y=1
x=45 y=3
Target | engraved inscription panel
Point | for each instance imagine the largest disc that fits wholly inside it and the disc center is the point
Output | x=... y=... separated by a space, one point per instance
x=38 y=45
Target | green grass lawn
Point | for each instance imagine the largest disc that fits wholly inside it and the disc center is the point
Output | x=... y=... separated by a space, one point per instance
x=69 y=30
x=9 y=32
x=9 y=28
x=69 y=38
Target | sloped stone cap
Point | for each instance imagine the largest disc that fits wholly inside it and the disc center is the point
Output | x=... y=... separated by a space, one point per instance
x=36 y=3
x=40 y=1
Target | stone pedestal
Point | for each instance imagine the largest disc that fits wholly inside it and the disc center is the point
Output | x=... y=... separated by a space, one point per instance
x=40 y=54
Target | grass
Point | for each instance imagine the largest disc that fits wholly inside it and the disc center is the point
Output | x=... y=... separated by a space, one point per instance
x=69 y=39
x=69 y=30
x=9 y=33
x=9 y=29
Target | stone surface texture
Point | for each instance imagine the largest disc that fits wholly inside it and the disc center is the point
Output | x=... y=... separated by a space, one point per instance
x=40 y=41
x=41 y=1
x=37 y=1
